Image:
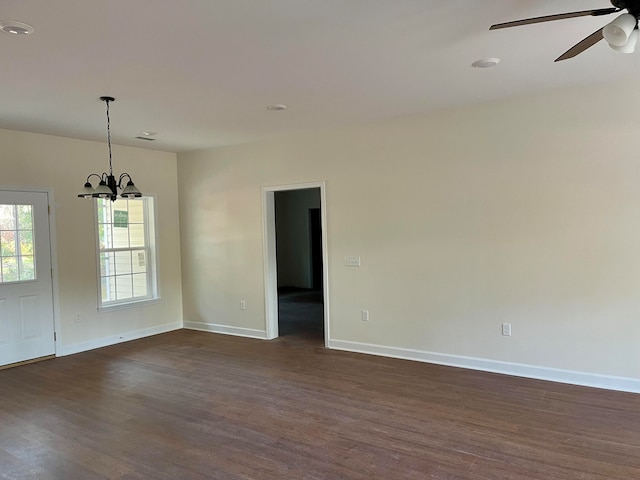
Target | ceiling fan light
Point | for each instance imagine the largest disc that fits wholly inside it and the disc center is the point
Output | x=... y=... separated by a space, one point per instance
x=617 y=33
x=630 y=46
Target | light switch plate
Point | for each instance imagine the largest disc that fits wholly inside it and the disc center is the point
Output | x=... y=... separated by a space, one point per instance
x=351 y=261
x=506 y=329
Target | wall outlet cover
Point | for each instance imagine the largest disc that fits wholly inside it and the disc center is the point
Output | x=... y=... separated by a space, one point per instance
x=351 y=261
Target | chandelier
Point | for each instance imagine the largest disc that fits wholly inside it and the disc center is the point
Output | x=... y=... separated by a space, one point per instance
x=108 y=186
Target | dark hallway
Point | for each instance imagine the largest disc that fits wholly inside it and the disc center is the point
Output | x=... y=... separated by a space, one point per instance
x=299 y=265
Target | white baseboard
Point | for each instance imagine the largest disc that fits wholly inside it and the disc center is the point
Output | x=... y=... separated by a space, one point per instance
x=226 y=330
x=608 y=382
x=114 y=339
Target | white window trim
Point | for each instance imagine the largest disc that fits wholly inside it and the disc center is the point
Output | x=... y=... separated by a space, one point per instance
x=128 y=305
x=152 y=231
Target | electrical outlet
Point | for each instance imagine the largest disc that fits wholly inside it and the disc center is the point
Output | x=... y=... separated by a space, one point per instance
x=77 y=318
x=365 y=315
x=243 y=305
x=506 y=329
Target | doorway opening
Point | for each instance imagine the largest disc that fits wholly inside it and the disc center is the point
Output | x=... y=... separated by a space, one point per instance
x=295 y=253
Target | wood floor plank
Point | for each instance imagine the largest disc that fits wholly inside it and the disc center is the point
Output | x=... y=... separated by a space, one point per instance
x=197 y=405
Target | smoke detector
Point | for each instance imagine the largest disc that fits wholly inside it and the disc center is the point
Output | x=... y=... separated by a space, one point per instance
x=277 y=107
x=485 y=63
x=147 y=136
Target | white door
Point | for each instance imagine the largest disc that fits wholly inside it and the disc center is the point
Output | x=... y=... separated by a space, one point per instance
x=26 y=295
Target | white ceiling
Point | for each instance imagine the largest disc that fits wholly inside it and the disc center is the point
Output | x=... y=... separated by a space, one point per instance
x=200 y=72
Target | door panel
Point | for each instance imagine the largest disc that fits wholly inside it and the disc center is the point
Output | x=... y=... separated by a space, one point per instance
x=4 y=326
x=29 y=318
x=26 y=294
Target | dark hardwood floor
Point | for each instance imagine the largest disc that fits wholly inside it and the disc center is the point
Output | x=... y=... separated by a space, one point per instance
x=193 y=405
x=301 y=315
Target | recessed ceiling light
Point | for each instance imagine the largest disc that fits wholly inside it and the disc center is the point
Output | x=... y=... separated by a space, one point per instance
x=485 y=63
x=16 y=28
x=277 y=107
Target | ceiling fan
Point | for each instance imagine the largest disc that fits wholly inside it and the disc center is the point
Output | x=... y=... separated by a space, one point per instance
x=621 y=34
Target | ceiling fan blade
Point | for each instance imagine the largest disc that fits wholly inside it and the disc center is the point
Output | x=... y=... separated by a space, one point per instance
x=559 y=16
x=580 y=47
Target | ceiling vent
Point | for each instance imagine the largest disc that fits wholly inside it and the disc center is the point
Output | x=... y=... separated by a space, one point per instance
x=145 y=138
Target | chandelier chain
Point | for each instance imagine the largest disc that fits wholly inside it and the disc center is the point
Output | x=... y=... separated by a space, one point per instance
x=109 y=137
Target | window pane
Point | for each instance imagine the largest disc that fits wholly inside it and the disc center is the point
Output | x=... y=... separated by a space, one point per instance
x=108 y=289
x=124 y=287
x=136 y=235
x=27 y=267
x=107 y=264
x=136 y=211
x=121 y=205
x=139 y=264
x=104 y=211
x=140 y=285
x=8 y=243
x=7 y=217
x=25 y=217
x=25 y=238
x=120 y=218
x=120 y=237
x=10 y=269
x=123 y=262
x=104 y=235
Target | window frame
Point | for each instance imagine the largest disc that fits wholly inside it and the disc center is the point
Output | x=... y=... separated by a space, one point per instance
x=151 y=252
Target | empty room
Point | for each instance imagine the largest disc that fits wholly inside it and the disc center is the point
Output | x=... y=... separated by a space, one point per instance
x=319 y=240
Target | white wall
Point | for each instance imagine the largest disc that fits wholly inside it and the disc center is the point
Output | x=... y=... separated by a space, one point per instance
x=293 y=236
x=524 y=211
x=63 y=164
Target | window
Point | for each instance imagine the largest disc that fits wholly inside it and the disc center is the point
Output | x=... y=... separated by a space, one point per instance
x=126 y=246
x=17 y=260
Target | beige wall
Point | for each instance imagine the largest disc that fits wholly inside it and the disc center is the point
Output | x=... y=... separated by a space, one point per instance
x=524 y=211
x=63 y=164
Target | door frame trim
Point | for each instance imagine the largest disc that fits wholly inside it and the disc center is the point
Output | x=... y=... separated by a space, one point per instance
x=270 y=260
x=55 y=287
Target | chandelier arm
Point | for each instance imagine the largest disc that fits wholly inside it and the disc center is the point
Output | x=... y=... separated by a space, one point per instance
x=122 y=176
x=93 y=175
